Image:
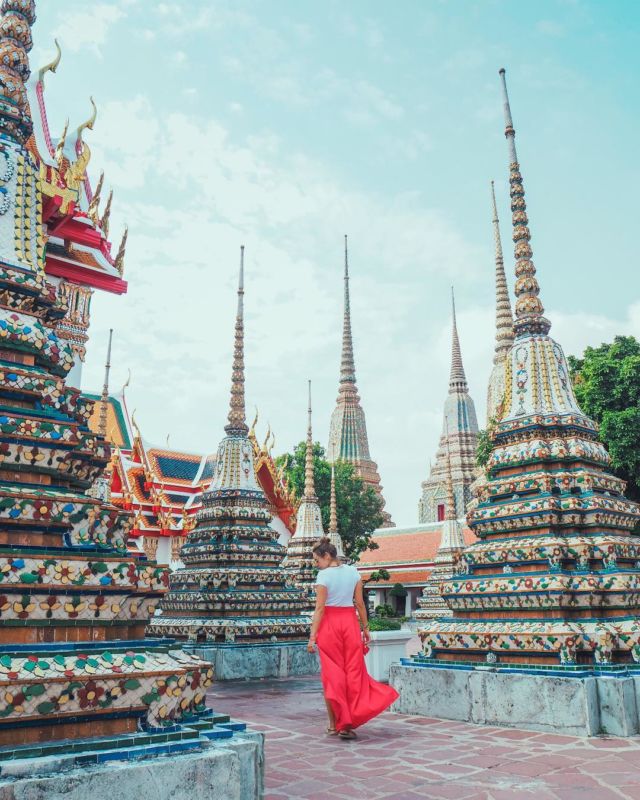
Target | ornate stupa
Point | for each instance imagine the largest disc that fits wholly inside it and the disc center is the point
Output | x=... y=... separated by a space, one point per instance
x=74 y=662
x=333 y=533
x=504 y=326
x=459 y=439
x=233 y=587
x=299 y=558
x=431 y=605
x=348 y=430
x=554 y=578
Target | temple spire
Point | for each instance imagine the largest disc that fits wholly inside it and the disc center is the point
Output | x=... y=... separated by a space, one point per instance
x=529 y=308
x=457 y=378
x=450 y=510
x=15 y=42
x=104 y=398
x=237 y=423
x=334 y=535
x=333 y=511
x=347 y=364
x=309 y=484
x=504 y=317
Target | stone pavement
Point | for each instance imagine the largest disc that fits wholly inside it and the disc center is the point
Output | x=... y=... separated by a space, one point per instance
x=398 y=757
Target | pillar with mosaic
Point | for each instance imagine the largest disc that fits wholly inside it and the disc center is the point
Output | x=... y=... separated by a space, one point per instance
x=76 y=671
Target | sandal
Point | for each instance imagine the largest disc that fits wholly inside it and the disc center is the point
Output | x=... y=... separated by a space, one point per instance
x=347 y=734
x=332 y=732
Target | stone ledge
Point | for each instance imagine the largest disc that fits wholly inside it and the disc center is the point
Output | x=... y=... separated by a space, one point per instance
x=230 y=771
x=575 y=706
x=247 y=661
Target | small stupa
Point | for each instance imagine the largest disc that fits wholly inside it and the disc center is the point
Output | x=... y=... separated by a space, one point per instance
x=233 y=588
x=299 y=559
x=431 y=604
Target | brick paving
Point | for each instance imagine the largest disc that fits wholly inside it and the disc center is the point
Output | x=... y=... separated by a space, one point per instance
x=399 y=757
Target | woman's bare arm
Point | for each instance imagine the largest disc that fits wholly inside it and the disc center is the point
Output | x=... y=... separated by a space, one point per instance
x=321 y=599
x=358 y=599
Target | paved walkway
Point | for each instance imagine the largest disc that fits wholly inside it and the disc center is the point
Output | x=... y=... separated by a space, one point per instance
x=398 y=757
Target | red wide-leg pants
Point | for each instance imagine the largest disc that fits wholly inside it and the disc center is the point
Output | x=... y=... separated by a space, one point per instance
x=354 y=696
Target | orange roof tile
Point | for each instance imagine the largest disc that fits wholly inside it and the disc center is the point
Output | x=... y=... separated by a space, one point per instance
x=406 y=547
x=415 y=576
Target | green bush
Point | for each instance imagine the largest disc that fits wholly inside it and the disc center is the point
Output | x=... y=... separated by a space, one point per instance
x=384 y=610
x=382 y=624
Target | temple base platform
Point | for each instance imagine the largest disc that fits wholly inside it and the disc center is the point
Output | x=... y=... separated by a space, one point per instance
x=222 y=761
x=249 y=661
x=573 y=701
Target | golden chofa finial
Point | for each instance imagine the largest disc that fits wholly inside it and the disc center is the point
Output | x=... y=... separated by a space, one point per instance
x=52 y=66
x=104 y=220
x=60 y=146
x=92 y=211
x=266 y=440
x=252 y=430
x=119 y=261
x=89 y=123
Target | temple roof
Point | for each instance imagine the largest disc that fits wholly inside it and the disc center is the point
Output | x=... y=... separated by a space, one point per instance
x=118 y=429
x=402 y=546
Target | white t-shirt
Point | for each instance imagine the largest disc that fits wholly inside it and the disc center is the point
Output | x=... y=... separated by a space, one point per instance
x=340 y=582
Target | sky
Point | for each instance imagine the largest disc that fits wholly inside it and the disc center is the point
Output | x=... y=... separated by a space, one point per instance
x=284 y=125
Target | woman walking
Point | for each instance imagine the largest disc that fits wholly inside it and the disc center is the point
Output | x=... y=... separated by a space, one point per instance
x=351 y=695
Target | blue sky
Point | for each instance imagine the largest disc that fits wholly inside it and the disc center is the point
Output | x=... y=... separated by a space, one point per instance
x=285 y=125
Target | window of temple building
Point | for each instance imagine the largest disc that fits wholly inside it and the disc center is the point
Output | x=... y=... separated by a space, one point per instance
x=440 y=512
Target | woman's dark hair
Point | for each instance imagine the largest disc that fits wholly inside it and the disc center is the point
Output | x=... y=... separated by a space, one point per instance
x=323 y=547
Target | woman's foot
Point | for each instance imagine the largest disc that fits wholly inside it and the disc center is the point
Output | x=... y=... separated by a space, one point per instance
x=331 y=731
x=347 y=733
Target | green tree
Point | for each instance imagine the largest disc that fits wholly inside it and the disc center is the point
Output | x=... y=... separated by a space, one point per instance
x=358 y=506
x=607 y=385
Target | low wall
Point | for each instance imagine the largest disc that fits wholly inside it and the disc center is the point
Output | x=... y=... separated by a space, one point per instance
x=576 y=706
x=245 y=661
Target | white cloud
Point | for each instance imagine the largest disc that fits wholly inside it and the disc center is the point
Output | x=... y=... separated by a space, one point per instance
x=88 y=29
x=205 y=194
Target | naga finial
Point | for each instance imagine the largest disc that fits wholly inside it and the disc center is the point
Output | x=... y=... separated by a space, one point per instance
x=266 y=439
x=119 y=260
x=94 y=204
x=89 y=123
x=52 y=66
x=59 y=154
x=252 y=431
x=104 y=220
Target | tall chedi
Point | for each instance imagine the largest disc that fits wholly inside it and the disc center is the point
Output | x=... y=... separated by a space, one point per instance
x=233 y=588
x=504 y=327
x=459 y=439
x=299 y=558
x=554 y=580
x=74 y=662
x=348 y=430
x=431 y=605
